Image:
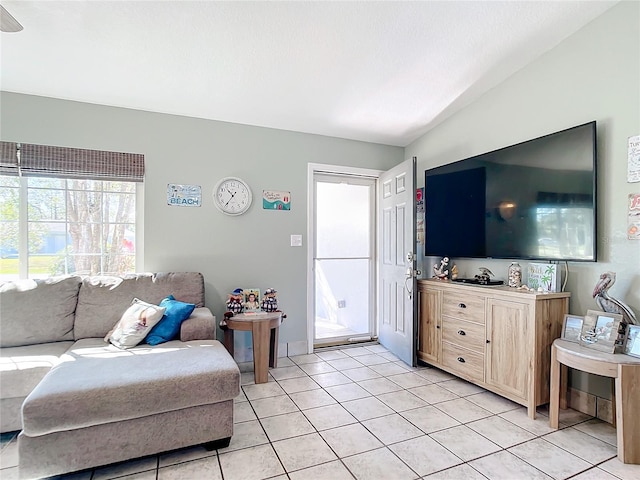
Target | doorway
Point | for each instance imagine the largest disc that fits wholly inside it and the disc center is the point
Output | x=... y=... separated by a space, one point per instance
x=361 y=262
x=343 y=255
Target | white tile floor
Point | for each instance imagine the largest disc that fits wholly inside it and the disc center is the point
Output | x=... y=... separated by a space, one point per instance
x=359 y=413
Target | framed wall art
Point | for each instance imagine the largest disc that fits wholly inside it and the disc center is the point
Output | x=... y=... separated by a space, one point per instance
x=572 y=327
x=632 y=343
x=600 y=330
x=276 y=200
x=184 y=195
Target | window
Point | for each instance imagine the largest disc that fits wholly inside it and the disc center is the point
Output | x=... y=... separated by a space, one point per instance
x=52 y=224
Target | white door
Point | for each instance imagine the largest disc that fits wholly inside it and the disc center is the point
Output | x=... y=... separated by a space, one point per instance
x=397 y=312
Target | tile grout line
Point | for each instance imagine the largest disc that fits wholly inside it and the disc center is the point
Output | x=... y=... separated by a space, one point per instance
x=306 y=374
x=370 y=395
x=384 y=445
x=317 y=432
x=404 y=389
x=435 y=405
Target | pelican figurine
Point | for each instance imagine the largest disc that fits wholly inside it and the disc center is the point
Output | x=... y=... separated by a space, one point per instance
x=610 y=304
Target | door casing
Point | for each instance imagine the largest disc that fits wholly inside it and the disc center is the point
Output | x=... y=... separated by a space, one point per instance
x=312 y=170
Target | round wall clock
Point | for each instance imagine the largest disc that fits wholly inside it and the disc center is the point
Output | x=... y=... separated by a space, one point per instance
x=232 y=196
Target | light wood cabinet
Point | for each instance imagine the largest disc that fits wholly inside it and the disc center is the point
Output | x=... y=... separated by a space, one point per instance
x=429 y=303
x=496 y=337
x=508 y=349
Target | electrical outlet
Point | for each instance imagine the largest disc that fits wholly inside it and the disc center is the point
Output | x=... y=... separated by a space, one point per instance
x=342 y=303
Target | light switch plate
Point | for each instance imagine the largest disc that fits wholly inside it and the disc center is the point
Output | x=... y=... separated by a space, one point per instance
x=296 y=240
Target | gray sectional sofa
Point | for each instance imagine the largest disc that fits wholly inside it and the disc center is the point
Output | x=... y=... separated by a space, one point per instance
x=80 y=402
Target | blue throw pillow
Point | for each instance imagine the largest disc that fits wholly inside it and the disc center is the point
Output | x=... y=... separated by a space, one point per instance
x=168 y=327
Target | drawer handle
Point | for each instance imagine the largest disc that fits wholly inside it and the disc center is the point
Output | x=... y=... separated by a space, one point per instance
x=461 y=360
x=462 y=332
x=462 y=305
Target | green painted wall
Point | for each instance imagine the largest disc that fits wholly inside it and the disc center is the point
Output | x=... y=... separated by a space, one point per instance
x=592 y=75
x=247 y=251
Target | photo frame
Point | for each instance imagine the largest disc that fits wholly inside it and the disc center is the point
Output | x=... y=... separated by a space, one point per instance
x=632 y=342
x=251 y=304
x=600 y=330
x=572 y=328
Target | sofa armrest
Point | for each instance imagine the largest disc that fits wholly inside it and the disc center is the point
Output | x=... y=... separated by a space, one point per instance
x=201 y=325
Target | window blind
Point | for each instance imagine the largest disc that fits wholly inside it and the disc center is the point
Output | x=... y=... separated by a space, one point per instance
x=50 y=161
x=8 y=158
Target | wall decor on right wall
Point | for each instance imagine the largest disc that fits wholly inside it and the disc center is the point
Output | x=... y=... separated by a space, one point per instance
x=633 y=172
x=633 y=228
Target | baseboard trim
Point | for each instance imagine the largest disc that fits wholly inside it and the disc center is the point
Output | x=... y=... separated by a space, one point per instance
x=590 y=404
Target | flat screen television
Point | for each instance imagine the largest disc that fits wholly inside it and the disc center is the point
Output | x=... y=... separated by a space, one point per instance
x=535 y=200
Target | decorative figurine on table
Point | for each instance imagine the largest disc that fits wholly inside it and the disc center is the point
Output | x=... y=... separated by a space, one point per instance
x=234 y=305
x=454 y=272
x=440 y=271
x=252 y=304
x=234 y=301
x=485 y=276
x=514 y=274
x=269 y=300
x=610 y=304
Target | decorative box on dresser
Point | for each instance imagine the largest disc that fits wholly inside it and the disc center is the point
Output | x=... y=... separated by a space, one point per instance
x=496 y=337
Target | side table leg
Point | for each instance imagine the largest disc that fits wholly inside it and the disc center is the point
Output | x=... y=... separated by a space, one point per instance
x=260 y=333
x=613 y=402
x=628 y=420
x=228 y=340
x=554 y=393
x=273 y=348
x=564 y=386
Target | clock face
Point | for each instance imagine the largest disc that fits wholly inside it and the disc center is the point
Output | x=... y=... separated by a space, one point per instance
x=232 y=196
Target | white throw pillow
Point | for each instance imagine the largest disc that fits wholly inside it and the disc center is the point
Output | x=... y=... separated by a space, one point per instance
x=134 y=324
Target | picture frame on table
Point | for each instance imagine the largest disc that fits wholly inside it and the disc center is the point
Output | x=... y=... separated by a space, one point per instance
x=572 y=328
x=600 y=330
x=251 y=299
x=632 y=342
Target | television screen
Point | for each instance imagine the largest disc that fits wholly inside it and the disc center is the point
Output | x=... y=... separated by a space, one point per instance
x=533 y=200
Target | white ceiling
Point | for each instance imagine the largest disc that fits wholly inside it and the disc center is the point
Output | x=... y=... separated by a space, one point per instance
x=383 y=72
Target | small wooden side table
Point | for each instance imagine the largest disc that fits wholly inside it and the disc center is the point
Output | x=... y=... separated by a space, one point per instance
x=626 y=372
x=264 y=331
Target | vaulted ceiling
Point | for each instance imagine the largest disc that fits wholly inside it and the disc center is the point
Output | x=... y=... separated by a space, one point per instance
x=383 y=72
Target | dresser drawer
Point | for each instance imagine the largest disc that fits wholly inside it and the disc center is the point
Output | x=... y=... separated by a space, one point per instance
x=465 y=307
x=465 y=334
x=463 y=362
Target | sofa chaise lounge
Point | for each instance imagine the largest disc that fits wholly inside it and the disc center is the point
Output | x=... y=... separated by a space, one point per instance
x=81 y=402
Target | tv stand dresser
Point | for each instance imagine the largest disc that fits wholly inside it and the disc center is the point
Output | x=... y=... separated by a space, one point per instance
x=498 y=338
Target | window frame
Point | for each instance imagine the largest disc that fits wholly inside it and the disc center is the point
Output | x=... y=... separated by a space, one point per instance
x=24 y=222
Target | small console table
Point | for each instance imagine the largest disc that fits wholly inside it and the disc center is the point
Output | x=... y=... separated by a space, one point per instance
x=626 y=372
x=264 y=331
